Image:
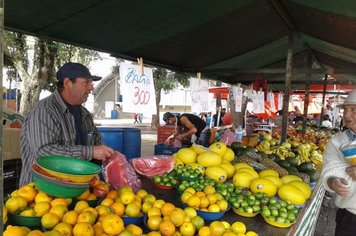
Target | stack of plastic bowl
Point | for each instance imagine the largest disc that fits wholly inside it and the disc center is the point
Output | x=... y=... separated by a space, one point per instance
x=349 y=151
x=62 y=176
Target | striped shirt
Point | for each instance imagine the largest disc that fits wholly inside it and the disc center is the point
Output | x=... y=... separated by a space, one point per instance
x=49 y=129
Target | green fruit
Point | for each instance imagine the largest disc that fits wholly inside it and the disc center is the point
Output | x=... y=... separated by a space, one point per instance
x=313 y=174
x=292 y=170
x=305 y=166
x=292 y=161
x=284 y=163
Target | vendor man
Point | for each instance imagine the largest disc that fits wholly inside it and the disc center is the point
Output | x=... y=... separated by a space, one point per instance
x=188 y=126
x=59 y=124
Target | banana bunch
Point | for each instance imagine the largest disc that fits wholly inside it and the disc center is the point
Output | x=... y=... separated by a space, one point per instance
x=316 y=157
x=264 y=146
x=303 y=150
x=302 y=158
x=283 y=152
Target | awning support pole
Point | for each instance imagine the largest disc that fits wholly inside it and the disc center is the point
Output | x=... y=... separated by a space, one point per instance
x=323 y=101
x=307 y=94
x=287 y=89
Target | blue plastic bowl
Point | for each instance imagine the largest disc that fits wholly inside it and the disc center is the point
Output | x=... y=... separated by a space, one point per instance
x=210 y=216
x=138 y=220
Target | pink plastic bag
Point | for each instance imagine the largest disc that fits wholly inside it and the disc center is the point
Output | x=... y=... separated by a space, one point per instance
x=228 y=137
x=118 y=172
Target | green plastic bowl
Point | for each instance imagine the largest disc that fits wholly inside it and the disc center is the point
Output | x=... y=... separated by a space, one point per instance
x=28 y=221
x=68 y=165
x=56 y=188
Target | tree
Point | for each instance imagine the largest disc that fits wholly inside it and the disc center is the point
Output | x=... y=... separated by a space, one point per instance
x=36 y=61
x=166 y=81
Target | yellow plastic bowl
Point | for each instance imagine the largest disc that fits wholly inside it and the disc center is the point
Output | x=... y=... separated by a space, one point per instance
x=244 y=214
x=69 y=177
x=278 y=224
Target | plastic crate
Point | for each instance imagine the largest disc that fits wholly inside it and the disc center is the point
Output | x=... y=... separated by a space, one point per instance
x=163 y=132
x=162 y=149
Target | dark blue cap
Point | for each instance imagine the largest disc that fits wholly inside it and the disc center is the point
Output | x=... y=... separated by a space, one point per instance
x=75 y=70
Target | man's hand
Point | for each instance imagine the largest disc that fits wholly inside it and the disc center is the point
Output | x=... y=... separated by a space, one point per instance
x=340 y=186
x=351 y=170
x=102 y=152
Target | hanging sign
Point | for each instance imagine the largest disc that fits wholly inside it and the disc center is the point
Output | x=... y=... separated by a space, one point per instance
x=237 y=92
x=137 y=89
x=199 y=91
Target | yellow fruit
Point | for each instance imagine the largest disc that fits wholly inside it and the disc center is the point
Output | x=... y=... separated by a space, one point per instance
x=238 y=227
x=84 y=195
x=36 y=233
x=204 y=202
x=4 y=214
x=204 y=231
x=132 y=210
x=216 y=173
x=27 y=212
x=187 y=229
x=91 y=197
x=53 y=233
x=229 y=168
x=113 y=194
x=42 y=197
x=141 y=193
x=159 y=203
x=243 y=179
x=248 y=170
x=222 y=204
x=103 y=211
x=59 y=210
x=207 y=159
x=49 y=220
x=127 y=197
x=217 y=228
x=15 y=204
x=303 y=187
x=214 y=208
x=263 y=185
x=251 y=233
x=268 y=172
x=41 y=208
x=125 y=188
x=59 y=201
x=154 y=211
x=190 y=211
x=112 y=224
x=167 y=208
x=153 y=222
x=86 y=217
x=118 y=208
x=107 y=202
x=194 y=201
x=177 y=216
x=219 y=148
x=276 y=180
x=185 y=196
x=213 y=198
x=191 y=190
x=187 y=155
x=199 y=148
x=134 y=229
x=83 y=229
x=226 y=224
x=98 y=229
x=150 y=198
x=81 y=205
x=16 y=230
x=229 y=155
x=197 y=221
x=291 y=193
x=70 y=217
x=240 y=165
x=125 y=233
x=146 y=206
x=64 y=228
x=167 y=228
x=288 y=178
x=28 y=192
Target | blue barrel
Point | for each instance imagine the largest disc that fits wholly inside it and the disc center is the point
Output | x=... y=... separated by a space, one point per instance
x=114 y=114
x=112 y=137
x=131 y=142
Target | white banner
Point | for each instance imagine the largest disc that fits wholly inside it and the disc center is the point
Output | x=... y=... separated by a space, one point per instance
x=199 y=90
x=237 y=92
x=138 y=93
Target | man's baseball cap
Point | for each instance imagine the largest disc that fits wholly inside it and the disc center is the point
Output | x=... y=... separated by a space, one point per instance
x=75 y=70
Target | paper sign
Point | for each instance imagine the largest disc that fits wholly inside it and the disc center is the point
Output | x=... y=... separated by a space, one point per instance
x=199 y=90
x=138 y=93
x=237 y=92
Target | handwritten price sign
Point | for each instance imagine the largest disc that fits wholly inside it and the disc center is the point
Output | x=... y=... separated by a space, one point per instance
x=138 y=93
x=199 y=91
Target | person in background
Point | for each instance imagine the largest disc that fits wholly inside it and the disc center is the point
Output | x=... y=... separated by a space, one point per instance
x=215 y=117
x=326 y=122
x=136 y=118
x=338 y=176
x=140 y=117
x=188 y=126
x=59 y=125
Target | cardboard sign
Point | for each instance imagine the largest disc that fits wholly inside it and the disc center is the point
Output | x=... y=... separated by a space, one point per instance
x=237 y=92
x=137 y=89
x=199 y=91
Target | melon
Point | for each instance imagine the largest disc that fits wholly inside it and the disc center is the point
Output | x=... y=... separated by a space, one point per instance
x=305 y=188
x=229 y=168
x=288 y=178
x=262 y=185
x=219 y=148
x=187 y=155
x=207 y=159
x=243 y=179
x=216 y=173
x=229 y=155
x=293 y=194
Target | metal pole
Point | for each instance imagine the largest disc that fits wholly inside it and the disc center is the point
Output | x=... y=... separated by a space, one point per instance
x=287 y=89
x=307 y=94
x=1 y=74
x=323 y=101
